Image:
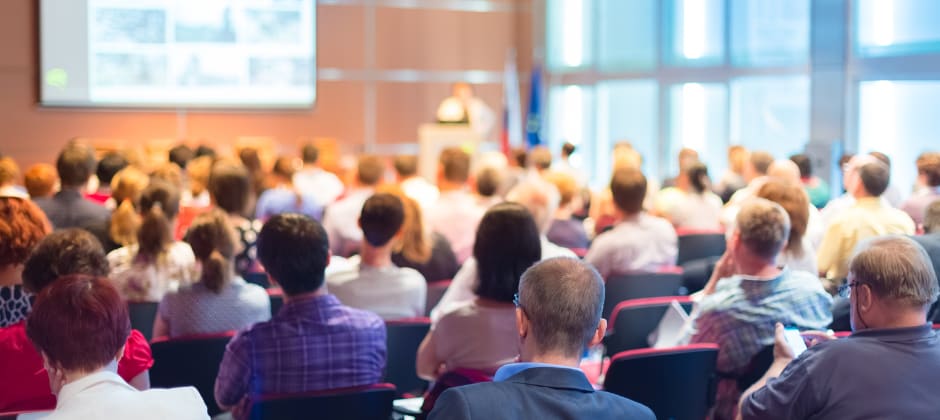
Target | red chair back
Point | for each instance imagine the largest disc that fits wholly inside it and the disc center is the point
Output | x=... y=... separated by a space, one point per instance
x=190 y=361
x=632 y=321
x=676 y=383
x=403 y=336
x=639 y=285
x=436 y=291
x=371 y=402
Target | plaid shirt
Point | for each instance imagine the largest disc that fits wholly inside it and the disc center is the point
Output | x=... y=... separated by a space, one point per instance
x=740 y=318
x=311 y=344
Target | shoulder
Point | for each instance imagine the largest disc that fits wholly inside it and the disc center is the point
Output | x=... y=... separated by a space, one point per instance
x=182 y=251
x=412 y=277
x=183 y=401
x=625 y=406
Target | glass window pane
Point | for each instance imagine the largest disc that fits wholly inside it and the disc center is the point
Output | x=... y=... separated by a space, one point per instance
x=568 y=33
x=889 y=27
x=626 y=37
x=899 y=118
x=770 y=114
x=697 y=36
x=627 y=111
x=698 y=118
x=571 y=118
x=769 y=32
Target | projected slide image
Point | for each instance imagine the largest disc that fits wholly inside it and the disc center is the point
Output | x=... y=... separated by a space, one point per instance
x=203 y=21
x=269 y=26
x=209 y=70
x=145 y=26
x=130 y=70
x=280 y=71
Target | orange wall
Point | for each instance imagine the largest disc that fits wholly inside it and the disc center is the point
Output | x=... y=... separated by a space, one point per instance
x=413 y=39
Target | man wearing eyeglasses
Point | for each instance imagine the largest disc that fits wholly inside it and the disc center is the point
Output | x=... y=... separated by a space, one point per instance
x=887 y=368
x=558 y=315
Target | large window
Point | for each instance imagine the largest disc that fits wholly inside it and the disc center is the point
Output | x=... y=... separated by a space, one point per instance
x=897 y=27
x=769 y=33
x=626 y=34
x=699 y=121
x=626 y=111
x=697 y=35
x=770 y=113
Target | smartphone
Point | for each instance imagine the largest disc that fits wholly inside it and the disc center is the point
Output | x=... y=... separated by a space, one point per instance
x=795 y=340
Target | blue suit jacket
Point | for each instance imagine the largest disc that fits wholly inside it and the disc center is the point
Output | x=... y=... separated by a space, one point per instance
x=536 y=393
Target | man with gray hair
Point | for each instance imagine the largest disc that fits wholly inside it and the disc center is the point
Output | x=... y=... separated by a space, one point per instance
x=887 y=368
x=558 y=316
x=748 y=293
x=930 y=240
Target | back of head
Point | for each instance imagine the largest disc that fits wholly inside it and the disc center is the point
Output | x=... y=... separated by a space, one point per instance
x=568 y=149
x=159 y=205
x=784 y=170
x=9 y=171
x=109 y=165
x=294 y=250
x=875 y=177
x=932 y=217
x=205 y=150
x=507 y=243
x=928 y=165
x=214 y=244
x=760 y=161
x=566 y=185
x=22 y=226
x=230 y=186
x=763 y=227
x=40 y=180
x=406 y=165
x=539 y=197
x=804 y=164
x=455 y=165
x=79 y=323
x=488 y=180
x=181 y=155
x=563 y=299
x=628 y=187
x=198 y=172
x=370 y=170
x=520 y=157
x=687 y=156
x=310 y=154
x=897 y=269
x=284 y=168
x=794 y=200
x=75 y=164
x=697 y=173
x=415 y=244
x=126 y=188
x=737 y=157
x=381 y=218
x=169 y=173
x=882 y=157
x=250 y=158
x=540 y=158
x=61 y=253
x=626 y=157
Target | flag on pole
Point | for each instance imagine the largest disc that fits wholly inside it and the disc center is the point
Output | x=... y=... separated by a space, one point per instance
x=512 y=109
x=533 y=125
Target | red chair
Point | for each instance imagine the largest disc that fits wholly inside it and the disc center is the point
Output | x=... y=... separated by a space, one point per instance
x=640 y=285
x=436 y=291
x=695 y=246
x=142 y=315
x=371 y=402
x=190 y=361
x=276 y=295
x=632 y=321
x=676 y=383
x=403 y=336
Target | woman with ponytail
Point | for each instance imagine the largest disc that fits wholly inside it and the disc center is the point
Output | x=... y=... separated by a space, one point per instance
x=155 y=264
x=691 y=204
x=221 y=300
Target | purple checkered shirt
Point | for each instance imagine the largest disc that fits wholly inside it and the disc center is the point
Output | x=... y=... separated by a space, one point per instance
x=312 y=344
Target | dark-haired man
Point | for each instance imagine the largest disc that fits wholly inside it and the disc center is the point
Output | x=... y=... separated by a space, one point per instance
x=109 y=165
x=371 y=281
x=558 y=315
x=67 y=208
x=314 y=343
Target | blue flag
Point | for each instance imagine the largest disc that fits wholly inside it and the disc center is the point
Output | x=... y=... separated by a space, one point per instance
x=533 y=126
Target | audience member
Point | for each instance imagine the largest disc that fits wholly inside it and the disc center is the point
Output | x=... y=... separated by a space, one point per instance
x=799 y=253
x=866 y=181
x=67 y=208
x=690 y=204
x=747 y=293
x=892 y=194
x=25 y=385
x=733 y=178
x=155 y=264
x=250 y=159
x=414 y=185
x=486 y=185
x=638 y=241
x=540 y=159
x=755 y=173
x=41 y=181
x=479 y=334
x=284 y=197
x=371 y=281
x=928 y=174
x=565 y=230
x=22 y=226
x=230 y=190
x=930 y=240
x=885 y=369
x=455 y=203
x=205 y=150
x=121 y=229
x=221 y=300
x=564 y=164
x=314 y=343
x=169 y=173
x=816 y=187
x=684 y=159
x=80 y=325
x=418 y=247
x=557 y=316
x=340 y=219
x=109 y=165
x=180 y=155
x=313 y=179
x=197 y=173
x=9 y=174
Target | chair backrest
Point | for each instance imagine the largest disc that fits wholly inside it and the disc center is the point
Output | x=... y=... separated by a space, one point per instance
x=639 y=285
x=403 y=337
x=756 y=368
x=632 y=321
x=142 y=315
x=373 y=402
x=259 y=278
x=676 y=383
x=435 y=293
x=696 y=246
x=190 y=361
x=276 y=295
x=695 y=273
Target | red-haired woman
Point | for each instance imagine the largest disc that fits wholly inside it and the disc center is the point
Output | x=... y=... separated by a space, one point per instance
x=22 y=226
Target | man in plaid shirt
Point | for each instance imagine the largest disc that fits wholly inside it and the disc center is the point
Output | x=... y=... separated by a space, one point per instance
x=747 y=294
x=314 y=343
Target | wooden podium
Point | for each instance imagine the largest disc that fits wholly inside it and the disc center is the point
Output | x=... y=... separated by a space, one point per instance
x=433 y=138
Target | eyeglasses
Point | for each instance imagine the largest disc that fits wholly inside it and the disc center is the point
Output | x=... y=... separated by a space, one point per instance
x=845 y=290
x=515 y=300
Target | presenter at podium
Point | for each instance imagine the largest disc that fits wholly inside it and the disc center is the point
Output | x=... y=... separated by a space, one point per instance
x=464 y=108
